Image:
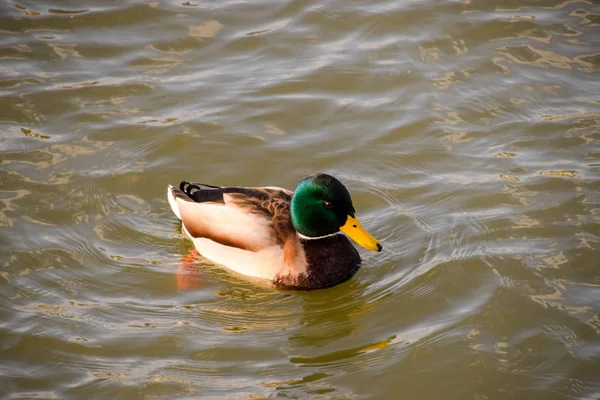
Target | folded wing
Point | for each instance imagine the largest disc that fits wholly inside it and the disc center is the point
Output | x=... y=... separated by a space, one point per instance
x=249 y=219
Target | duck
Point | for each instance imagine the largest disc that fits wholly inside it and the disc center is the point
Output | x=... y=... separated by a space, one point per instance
x=294 y=239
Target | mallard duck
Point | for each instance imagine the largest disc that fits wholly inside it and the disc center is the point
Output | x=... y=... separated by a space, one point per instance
x=294 y=239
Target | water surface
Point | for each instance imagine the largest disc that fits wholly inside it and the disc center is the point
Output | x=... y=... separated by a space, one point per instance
x=466 y=132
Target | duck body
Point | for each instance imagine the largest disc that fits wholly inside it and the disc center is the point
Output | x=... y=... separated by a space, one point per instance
x=292 y=239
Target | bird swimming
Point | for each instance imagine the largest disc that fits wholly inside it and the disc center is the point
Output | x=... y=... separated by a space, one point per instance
x=293 y=239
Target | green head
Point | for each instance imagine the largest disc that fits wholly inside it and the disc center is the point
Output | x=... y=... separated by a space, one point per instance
x=321 y=205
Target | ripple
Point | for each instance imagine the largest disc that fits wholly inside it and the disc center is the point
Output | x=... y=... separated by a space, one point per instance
x=468 y=148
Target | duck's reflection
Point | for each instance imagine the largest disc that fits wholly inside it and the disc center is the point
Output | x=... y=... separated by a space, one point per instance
x=188 y=274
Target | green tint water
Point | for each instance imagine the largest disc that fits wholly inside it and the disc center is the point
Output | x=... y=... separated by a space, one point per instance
x=466 y=133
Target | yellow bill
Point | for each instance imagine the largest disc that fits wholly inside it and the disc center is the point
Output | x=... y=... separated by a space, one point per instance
x=357 y=233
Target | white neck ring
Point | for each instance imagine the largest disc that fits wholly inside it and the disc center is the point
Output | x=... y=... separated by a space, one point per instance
x=301 y=236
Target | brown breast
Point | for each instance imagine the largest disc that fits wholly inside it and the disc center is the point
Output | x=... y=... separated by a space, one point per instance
x=330 y=260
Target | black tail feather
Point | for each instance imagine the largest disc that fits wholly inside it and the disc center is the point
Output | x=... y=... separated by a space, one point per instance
x=201 y=193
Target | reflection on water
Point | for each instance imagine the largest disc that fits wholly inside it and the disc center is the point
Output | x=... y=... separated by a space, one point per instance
x=466 y=132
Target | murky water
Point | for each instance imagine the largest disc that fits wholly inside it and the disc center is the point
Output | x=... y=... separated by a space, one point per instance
x=466 y=132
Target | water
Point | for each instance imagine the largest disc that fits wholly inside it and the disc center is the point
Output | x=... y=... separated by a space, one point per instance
x=466 y=132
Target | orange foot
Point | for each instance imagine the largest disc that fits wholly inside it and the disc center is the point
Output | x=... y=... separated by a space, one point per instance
x=188 y=277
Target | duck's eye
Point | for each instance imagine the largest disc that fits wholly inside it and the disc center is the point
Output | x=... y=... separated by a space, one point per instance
x=327 y=204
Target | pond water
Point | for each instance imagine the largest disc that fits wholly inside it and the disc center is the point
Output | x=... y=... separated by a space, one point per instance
x=466 y=132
